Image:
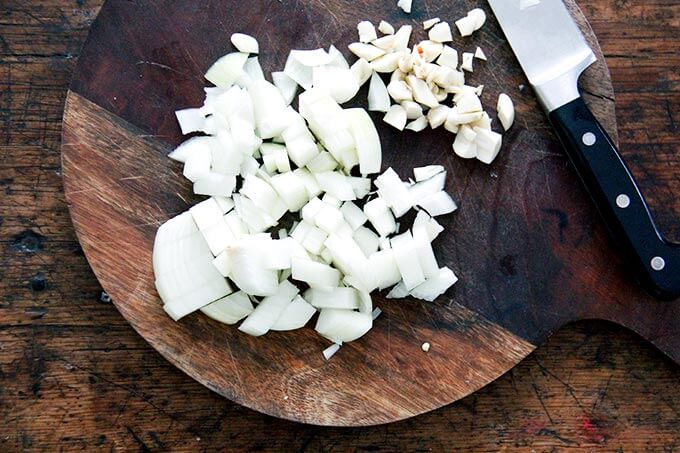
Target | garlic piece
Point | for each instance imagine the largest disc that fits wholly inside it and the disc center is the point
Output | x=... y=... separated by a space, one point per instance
x=362 y=70
x=480 y=17
x=385 y=28
x=437 y=116
x=467 y=61
x=466 y=25
x=366 y=31
x=506 y=111
x=405 y=5
x=431 y=23
x=366 y=51
x=396 y=117
x=448 y=57
x=387 y=63
x=479 y=54
x=417 y=125
x=413 y=110
x=421 y=92
x=488 y=144
x=385 y=42
x=441 y=33
x=399 y=91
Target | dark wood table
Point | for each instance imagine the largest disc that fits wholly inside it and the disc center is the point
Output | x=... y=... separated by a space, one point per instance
x=74 y=375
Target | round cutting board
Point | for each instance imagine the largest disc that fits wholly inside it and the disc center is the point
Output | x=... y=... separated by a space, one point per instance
x=526 y=243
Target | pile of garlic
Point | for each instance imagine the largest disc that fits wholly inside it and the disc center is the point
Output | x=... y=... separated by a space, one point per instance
x=423 y=77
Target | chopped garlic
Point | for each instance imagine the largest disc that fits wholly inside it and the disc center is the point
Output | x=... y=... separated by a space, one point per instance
x=366 y=51
x=245 y=43
x=441 y=33
x=366 y=32
x=405 y=5
x=467 y=61
x=413 y=109
x=421 y=92
x=417 y=125
x=488 y=144
x=425 y=347
x=385 y=42
x=448 y=57
x=466 y=25
x=406 y=63
x=396 y=117
x=399 y=91
x=506 y=111
x=479 y=54
x=480 y=17
x=387 y=63
x=385 y=28
x=362 y=71
x=431 y=23
x=437 y=116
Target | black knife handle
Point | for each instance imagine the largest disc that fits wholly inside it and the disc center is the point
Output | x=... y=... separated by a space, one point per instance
x=655 y=261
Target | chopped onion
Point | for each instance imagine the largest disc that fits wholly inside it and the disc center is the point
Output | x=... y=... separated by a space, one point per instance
x=340 y=298
x=225 y=71
x=245 y=43
x=190 y=120
x=424 y=173
x=380 y=216
x=300 y=73
x=230 y=309
x=330 y=351
x=417 y=125
x=286 y=85
x=362 y=71
x=339 y=82
x=261 y=320
x=337 y=58
x=392 y=190
x=367 y=140
x=435 y=286
x=428 y=224
x=405 y=249
x=367 y=240
x=353 y=215
x=343 y=325
x=295 y=316
x=183 y=151
x=291 y=189
x=336 y=184
x=316 y=275
x=378 y=96
x=439 y=203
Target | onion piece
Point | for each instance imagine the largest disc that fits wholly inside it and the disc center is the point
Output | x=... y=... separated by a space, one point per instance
x=383 y=269
x=230 y=309
x=367 y=240
x=311 y=58
x=324 y=161
x=424 y=222
x=339 y=82
x=343 y=325
x=380 y=216
x=428 y=262
x=392 y=190
x=399 y=291
x=424 y=173
x=300 y=73
x=331 y=351
x=336 y=184
x=340 y=298
x=366 y=31
x=316 y=275
x=245 y=43
x=367 y=140
x=225 y=71
x=215 y=184
x=206 y=213
x=183 y=151
x=291 y=189
x=309 y=181
x=337 y=58
x=405 y=249
x=506 y=111
x=295 y=316
x=353 y=215
x=261 y=320
x=396 y=117
x=362 y=71
x=253 y=70
x=347 y=255
x=378 y=97
x=435 y=286
x=190 y=120
x=439 y=203
x=197 y=164
x=286 y=85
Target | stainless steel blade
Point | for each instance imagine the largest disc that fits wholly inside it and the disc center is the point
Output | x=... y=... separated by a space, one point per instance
x=549 y=46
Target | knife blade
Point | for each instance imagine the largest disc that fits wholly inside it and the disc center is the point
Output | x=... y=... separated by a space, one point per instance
x=553 y=54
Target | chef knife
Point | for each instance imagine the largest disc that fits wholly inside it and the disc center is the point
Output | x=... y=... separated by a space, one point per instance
x=553 y=53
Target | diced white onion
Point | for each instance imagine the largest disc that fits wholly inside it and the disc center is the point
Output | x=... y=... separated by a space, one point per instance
x=261 y=320
x=230 y=309
x=378 y=96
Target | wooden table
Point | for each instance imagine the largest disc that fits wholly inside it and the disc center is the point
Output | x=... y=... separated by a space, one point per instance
x=74 y=375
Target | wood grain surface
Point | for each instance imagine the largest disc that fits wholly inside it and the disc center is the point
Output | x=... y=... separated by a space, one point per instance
x=76 y=376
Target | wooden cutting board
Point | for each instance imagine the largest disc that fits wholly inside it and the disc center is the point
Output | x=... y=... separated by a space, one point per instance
x=528 y=247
